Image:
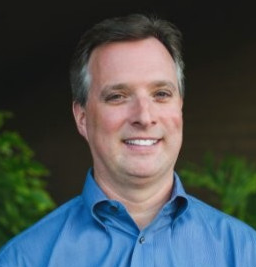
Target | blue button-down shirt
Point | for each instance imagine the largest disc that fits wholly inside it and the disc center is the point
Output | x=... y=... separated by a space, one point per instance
x=93 y=231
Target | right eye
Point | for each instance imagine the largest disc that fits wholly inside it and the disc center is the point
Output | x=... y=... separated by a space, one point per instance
x=115 y=98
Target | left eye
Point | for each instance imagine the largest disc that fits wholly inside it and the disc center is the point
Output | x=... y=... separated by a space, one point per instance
x=162 y=94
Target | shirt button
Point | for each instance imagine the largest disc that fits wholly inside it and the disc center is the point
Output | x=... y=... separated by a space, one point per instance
x=142 y=240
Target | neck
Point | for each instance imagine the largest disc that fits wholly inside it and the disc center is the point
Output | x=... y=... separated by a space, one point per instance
x=142 y=202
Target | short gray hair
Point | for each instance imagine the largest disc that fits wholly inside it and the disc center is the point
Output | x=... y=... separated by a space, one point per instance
x=128 y=28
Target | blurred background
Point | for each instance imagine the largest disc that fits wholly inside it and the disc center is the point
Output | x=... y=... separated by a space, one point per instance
x=37 y=42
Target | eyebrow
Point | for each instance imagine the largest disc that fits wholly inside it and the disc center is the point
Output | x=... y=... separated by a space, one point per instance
x=163 y=83
x=118 y=86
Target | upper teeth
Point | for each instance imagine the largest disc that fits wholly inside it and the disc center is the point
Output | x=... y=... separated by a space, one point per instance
x=141 y=142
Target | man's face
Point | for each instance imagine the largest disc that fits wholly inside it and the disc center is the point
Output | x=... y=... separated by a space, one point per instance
x=133 y=117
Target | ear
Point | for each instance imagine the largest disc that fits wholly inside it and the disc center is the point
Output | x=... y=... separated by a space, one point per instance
x=80 y=119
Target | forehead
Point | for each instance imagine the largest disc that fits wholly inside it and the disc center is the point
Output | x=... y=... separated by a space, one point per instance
x=132 y=46
x=130 y=61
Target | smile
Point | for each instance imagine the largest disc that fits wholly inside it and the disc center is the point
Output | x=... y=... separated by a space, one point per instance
x=141 y=142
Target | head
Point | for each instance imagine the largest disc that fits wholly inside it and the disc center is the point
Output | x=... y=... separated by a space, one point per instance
x=127 y=85
x=131 y=28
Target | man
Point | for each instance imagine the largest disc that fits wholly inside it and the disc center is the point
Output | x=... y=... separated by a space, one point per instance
x=128 y=92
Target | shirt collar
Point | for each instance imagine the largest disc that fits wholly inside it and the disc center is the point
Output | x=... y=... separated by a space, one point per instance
x=92 y=195
x=178 y=189
x=178 y=202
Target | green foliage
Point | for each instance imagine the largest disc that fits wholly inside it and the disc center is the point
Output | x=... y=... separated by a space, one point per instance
x=23 y=198
x=232 y=182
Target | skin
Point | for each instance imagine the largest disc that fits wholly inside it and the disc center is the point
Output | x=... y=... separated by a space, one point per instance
x=133 y=124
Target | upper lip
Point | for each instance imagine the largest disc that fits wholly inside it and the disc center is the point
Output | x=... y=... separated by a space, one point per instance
x=141 y=138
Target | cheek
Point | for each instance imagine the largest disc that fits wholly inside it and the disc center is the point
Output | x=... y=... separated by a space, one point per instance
x=174 y=119
x=178 y=120
x=105 y=121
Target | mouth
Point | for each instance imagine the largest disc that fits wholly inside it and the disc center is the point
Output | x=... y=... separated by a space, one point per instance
x=141 y=142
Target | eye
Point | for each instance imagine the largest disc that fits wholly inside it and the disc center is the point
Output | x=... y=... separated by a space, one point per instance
x=114 y=98
x=162 y=95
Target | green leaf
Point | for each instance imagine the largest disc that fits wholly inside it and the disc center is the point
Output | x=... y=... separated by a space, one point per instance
x=232 y=179
x=24 y=198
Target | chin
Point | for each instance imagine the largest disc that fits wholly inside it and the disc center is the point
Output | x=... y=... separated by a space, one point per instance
x=142 y=172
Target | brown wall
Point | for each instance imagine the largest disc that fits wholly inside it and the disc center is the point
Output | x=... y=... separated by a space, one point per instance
x=220 y=108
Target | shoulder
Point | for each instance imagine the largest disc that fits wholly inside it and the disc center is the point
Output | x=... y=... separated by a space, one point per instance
x=42 y=234
x=219 y=222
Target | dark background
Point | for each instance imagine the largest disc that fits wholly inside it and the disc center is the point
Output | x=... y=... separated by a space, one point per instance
x=39 y=37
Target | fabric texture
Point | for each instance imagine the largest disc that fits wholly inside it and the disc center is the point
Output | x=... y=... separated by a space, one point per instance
x=93 y=231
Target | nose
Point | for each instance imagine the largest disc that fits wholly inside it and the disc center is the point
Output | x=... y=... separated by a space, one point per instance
x=143 y=114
